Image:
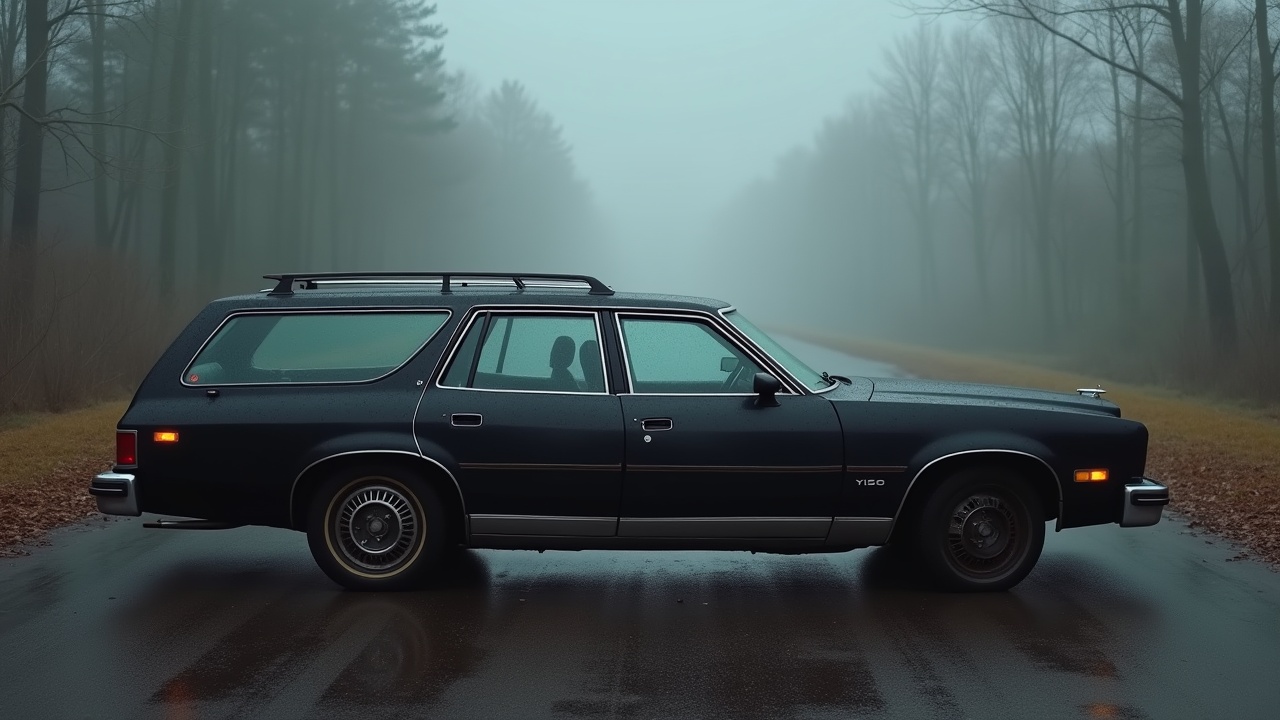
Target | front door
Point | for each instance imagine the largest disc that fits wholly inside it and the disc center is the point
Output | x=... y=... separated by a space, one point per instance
x=524 y=410
x=703 y=457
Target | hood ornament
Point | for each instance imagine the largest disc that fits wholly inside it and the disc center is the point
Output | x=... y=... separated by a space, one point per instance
x=1091 y=392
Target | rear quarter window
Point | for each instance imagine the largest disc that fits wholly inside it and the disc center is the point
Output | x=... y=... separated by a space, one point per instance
x=313 y=347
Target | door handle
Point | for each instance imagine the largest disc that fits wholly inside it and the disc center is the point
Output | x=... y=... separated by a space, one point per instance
x=655 y=424
x=466 y=419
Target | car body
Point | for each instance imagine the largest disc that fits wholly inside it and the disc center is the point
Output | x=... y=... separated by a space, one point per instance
x=392 y=417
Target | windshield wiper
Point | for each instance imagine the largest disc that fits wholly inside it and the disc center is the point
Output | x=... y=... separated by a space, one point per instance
x=833 y=379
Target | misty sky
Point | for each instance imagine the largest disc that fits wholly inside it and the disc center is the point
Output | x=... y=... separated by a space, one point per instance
x=672 y=105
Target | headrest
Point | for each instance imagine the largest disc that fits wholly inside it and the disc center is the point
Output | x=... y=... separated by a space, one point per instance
x=562 y=353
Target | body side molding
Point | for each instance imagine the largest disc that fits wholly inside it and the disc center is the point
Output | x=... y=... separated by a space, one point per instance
x=724 y=527
x=859 y=531
x=543 y=525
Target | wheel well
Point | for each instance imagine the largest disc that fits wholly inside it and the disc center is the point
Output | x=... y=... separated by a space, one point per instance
x=1041 y=479
x=446 y=489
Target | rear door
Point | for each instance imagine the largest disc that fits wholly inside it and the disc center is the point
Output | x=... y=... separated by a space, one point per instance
x=523 y=407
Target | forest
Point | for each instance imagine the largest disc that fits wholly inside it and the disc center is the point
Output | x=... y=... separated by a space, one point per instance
x=1079 y=183
x=157 y=153
x=1089 y=184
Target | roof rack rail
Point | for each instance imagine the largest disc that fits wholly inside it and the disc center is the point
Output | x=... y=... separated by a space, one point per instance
x=285 y=282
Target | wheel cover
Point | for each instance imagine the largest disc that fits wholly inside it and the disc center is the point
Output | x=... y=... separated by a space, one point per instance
x=377 y=527
x=986 y=535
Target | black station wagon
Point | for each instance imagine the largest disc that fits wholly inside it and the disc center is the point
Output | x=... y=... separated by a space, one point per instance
x=393 y=417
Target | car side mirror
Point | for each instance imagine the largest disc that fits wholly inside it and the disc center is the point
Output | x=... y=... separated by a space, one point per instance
x=728 y=364
x=767 y=387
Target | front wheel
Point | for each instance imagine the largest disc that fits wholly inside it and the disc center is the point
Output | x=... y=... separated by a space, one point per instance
x=376 y=528
x=981 y=529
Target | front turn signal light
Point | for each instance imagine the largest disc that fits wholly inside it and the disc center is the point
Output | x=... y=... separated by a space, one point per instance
x=1092 y=475
x=166 y=436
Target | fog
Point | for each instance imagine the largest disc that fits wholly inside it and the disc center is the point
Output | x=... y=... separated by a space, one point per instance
x=1080 y=183
x=672 y=106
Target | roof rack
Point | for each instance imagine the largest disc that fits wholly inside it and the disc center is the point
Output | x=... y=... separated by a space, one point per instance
x=285 y=282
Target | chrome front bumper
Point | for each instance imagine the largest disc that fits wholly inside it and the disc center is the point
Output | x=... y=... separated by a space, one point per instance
x=116 y=494
x=1144 y=500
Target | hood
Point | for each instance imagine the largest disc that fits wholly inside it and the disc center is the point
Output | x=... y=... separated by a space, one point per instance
x=954 y=393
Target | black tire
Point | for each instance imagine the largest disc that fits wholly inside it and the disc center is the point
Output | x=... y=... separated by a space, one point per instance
x=376 y=527
x=981 y=530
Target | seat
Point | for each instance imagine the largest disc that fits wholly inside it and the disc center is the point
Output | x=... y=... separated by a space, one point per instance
x=592 y=370
x=561 y=358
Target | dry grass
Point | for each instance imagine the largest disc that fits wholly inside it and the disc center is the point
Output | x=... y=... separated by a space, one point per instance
x=46 y=462
x=1221 y=462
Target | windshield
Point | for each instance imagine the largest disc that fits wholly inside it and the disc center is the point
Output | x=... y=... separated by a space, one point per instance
x=805 y=374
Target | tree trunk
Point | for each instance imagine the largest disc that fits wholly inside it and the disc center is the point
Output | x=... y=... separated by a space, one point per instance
x=1136 y=160
x=210 y=253
x=173 y=152
x=1219 y=298
x=1270 y=188
x=27 y=176
x=12 y=33
x=227 y=219
x=978 y=200
x=1124 y=296
x=97 y=28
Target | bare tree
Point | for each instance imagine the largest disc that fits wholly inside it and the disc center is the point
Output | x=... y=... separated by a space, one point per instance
x=1182 y=21
x=1039 y=86
x=968 y=93
x=911 y=87
x=1234 y=99
x=27 y=177
x=173 y=149
x=1270 y=184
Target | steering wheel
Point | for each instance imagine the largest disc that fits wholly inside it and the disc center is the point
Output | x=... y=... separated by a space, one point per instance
x=735 y=378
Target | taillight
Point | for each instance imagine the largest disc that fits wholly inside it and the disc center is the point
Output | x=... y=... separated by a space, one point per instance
x=126 y=447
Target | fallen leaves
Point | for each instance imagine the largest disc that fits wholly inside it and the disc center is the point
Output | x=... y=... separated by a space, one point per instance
x=31 y=509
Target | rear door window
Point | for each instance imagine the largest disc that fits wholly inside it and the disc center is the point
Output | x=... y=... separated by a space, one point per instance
x=530 y=352
x=313 y=347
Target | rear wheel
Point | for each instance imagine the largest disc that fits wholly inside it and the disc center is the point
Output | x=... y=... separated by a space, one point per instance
x=376 y=528
x=981 y=529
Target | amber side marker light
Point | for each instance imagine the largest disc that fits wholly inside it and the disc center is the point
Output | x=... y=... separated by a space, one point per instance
x=1091 y=475
x=166 y=436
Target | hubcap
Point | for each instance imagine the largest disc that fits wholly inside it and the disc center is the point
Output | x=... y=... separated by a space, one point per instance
x=984 y=534
x=376 y=526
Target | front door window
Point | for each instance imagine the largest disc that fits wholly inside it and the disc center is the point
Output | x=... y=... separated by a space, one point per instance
x=683 y=356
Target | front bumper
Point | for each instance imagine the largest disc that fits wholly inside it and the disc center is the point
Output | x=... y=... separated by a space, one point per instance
x=1144 y=500
x=116 y=493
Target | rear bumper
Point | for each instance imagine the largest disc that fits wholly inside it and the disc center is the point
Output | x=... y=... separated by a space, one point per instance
x=1144 y=501
x=116 y=493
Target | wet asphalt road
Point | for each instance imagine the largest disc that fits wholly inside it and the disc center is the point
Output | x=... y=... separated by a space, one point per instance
x=113 y=620
x=118 y=621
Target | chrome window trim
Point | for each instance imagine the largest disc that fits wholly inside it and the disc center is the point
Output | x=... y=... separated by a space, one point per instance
x=905 y=495
x=724 y=313
x=461 y=498
x=478 y=310
x=336 y=310
x=750 y=349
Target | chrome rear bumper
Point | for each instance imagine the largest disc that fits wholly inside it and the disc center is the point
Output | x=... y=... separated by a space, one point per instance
x=1144 y=500
x=116 y=494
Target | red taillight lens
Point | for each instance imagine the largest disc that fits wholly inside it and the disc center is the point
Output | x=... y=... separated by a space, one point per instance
x=126 y=447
